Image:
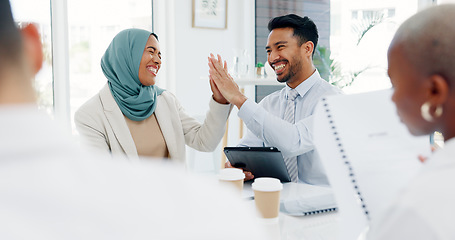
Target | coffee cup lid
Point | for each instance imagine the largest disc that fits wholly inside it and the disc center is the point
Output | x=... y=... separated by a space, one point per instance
x=267 y=184
x=231 y=174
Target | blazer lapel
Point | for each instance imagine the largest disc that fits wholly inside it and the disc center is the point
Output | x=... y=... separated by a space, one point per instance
x=165 y=121
x=118 y=124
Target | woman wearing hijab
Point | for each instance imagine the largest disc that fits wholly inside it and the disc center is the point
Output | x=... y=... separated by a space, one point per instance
x=132 y=116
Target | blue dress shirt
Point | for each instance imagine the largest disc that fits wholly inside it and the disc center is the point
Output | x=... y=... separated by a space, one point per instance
x=266 y=126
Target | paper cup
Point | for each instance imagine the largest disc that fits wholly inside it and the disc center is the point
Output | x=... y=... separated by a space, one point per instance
x=232 y=177
x=267 y=196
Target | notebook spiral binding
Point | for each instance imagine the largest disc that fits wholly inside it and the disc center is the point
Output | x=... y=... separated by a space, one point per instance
x=319 y=211
x=344 y=156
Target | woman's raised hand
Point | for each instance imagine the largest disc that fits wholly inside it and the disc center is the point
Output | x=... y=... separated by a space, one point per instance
x=223 y=82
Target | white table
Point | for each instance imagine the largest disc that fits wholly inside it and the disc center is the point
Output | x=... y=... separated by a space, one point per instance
x=323 y=226
x=314 y=227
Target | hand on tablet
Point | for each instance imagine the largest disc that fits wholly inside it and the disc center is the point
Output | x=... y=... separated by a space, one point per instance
x=248 y=175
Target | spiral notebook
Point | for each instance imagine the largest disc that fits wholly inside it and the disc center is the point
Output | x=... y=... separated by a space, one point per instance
x=368 y=154
x=300 y=199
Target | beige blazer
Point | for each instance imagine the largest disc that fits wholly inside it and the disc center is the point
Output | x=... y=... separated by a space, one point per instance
x=101 y=124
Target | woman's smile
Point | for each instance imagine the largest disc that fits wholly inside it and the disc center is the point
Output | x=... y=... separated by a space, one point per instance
x=152 y=69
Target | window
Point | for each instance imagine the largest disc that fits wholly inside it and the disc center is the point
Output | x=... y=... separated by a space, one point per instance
x=355 y=14
x=356 y=33
x=360 y=33
x=38 y=12
x=391 y=12
x=91 y=29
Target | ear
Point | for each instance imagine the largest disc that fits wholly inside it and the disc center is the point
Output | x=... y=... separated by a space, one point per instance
x=32 y=46
x=439 y=89
x=308 y=48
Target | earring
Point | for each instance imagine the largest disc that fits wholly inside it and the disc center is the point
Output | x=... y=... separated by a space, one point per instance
x=425 y=112
x=438 y=111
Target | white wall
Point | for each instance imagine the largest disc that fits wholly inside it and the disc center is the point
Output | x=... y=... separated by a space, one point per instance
x=185 y=50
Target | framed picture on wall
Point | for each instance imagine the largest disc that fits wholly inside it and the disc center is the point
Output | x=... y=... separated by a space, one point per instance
x=210 y=14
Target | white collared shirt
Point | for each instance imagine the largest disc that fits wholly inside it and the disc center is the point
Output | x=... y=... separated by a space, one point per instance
x=266 y=126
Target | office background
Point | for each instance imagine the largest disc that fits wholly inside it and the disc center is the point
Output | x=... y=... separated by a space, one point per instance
x=75 y=34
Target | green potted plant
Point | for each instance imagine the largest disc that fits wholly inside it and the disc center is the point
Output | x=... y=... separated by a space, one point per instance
x=260 y=71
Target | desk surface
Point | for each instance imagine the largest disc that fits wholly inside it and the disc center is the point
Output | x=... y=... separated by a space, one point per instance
x=323 y=226
x=319 y=226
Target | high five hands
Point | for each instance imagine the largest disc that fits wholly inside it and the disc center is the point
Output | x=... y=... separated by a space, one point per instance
x=217 y=96
x=222 y=82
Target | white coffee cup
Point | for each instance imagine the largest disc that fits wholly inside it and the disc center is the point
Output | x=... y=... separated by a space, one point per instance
x=267 y=196
x=232 y=177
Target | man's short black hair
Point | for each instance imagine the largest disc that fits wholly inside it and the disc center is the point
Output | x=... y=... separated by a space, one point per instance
x=304 y=28
x=10 y=38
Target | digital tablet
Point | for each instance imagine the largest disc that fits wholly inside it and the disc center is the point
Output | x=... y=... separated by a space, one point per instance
x=261 y=161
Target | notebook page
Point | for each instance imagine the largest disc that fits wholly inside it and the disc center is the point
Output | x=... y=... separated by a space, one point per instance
x=368 y=154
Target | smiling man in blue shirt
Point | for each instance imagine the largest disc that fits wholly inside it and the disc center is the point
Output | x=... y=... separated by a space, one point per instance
x=278 y=120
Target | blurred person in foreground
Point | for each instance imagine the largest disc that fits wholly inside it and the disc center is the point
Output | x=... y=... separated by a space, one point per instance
x=132 y=116
x=50 y=189
x=284 y=118
x=421 y=69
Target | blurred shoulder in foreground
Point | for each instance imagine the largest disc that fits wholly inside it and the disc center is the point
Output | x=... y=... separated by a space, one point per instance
x=51 y=189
